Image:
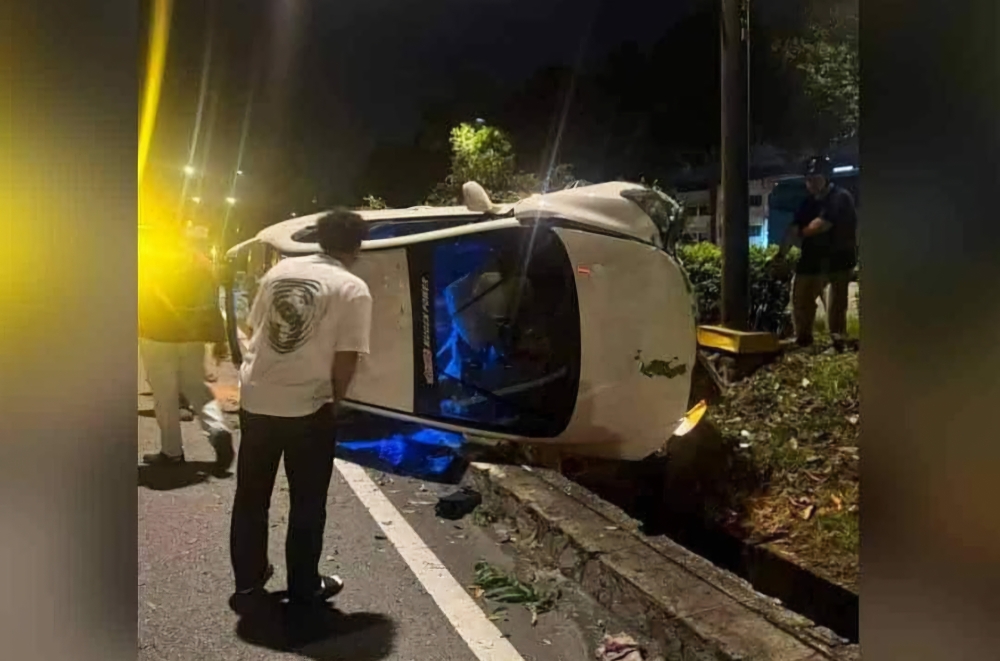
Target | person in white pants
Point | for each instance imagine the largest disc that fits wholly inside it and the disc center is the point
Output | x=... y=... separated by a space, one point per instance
x=178 y=315
x=174 y=369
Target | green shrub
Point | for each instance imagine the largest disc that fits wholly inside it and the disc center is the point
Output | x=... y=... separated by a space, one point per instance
x=769 y=290
x=703 y=263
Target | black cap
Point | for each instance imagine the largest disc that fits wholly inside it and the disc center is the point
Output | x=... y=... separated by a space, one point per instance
x=819 y=165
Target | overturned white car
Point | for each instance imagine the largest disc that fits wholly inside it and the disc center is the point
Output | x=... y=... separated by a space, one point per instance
x=562 y=318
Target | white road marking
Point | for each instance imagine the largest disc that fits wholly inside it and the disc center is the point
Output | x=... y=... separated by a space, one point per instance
x=471 y=623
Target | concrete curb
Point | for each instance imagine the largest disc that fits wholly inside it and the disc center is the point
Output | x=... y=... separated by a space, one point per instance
x=690 y=609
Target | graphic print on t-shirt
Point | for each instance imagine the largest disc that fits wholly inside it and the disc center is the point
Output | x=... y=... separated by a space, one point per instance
x=294 y=313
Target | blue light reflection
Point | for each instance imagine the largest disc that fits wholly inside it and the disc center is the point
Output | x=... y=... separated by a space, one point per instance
x=403 y=449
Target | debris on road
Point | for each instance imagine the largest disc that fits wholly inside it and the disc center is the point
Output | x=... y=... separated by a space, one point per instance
x=620 y=648
x=496 y=585
x=483 y=517
x=456 y=505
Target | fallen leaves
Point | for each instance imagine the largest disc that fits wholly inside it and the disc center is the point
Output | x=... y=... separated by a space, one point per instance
x=494 y=584
x=794 y=430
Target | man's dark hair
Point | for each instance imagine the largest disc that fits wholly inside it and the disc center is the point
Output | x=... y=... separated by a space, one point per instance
x=341 y=232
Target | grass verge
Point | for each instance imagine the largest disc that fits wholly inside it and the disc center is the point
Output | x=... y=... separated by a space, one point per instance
x=795 y=426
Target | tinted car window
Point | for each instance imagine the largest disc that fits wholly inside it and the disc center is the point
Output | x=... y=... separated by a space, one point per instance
x=497 y=331
x=390 y=229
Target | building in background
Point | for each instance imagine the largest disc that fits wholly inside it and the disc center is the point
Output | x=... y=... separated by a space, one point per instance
x=704 y=212
x=776 y=189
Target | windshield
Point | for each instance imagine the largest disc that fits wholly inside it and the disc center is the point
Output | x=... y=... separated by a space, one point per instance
x=497 y=331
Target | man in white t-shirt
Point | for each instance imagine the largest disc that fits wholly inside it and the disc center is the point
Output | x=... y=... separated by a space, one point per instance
x=309 y=323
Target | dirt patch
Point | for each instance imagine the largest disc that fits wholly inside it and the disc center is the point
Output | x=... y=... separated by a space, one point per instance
x=793 y=428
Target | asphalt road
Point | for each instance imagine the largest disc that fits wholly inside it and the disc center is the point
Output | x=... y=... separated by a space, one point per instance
x=406 y=574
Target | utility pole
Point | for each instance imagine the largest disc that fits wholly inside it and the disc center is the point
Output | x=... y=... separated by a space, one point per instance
x=735 y=33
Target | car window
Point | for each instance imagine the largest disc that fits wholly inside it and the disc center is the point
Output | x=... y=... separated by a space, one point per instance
x=498 y=331
x=390 y=229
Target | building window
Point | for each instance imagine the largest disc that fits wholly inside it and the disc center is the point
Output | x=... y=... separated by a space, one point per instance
x=755 y=231
x=756 y=200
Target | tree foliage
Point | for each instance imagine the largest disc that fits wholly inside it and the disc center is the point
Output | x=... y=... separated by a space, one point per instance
x=826 y=59
x=373 y=202
x=479 y=153
x=484 y=154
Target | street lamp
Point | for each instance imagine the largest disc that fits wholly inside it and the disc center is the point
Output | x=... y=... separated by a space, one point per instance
x=189 y=170
x=239 y=173
x=196 y=200
x=230 y=201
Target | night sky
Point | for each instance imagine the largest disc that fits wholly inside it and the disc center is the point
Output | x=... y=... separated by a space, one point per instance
x=333 y=79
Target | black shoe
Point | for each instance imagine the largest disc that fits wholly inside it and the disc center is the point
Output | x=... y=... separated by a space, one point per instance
x=160 y=459
x=330 y=587
x=222 y=443
x=259 y=585
x=186 y=415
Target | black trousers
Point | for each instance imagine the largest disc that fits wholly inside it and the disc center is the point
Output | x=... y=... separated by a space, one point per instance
x=307 y=444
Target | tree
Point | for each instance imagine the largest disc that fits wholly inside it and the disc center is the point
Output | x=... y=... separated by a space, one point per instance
x=479 y=153
x=826 y=59
x=484 y=154
x=373 y=202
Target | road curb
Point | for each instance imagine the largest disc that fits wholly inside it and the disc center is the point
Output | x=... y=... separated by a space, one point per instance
x=690 y=609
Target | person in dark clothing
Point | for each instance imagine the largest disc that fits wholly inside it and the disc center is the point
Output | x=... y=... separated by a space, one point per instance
x=178 y=315
x=309 y=324
x=826 y=227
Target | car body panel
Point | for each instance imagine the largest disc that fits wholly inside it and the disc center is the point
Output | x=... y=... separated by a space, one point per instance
x=637 y=318
x=635 y=310
x=600 y=207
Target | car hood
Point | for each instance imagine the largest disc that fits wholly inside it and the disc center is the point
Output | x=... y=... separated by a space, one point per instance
x=600 y=207
x=638 y=347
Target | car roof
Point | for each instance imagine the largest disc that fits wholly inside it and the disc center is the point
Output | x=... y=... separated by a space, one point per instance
x=598 y=205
